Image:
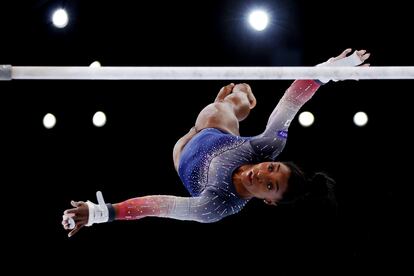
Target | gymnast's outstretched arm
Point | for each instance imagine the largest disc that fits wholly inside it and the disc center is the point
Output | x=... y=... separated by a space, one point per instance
x=302 y=90
x=206 y=208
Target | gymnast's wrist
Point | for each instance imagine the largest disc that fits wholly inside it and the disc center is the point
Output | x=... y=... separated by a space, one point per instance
x=100 y=213
x=111 y=212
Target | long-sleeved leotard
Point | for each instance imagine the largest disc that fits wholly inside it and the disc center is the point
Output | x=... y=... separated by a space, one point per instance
x=208 y=161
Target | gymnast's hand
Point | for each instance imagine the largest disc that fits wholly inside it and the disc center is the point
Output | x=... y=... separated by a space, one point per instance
x=359 y=56
x=74 y=219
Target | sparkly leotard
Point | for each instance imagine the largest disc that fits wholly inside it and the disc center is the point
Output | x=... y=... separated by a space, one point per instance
x=208 y=161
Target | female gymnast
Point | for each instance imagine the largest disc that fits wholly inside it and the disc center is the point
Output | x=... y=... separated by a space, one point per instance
x=222 y=170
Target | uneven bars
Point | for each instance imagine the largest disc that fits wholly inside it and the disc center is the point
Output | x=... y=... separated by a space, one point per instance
x=8 y=72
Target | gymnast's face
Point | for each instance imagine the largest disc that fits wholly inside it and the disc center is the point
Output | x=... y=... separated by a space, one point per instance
x=267 y=180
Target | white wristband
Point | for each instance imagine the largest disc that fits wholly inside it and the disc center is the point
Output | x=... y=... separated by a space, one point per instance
x=98 y=213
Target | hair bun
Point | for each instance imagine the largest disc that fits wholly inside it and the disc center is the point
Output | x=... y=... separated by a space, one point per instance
x=320 y=184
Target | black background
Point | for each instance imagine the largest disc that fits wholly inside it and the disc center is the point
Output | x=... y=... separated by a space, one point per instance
x=131 y=155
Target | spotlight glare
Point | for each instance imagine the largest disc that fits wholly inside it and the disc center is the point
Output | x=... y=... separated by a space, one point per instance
x=99 y=119
x=360 y=119
x=60 y=18
x=95 y=64
x=258 y=20
x=49 y=121
x=306 y=119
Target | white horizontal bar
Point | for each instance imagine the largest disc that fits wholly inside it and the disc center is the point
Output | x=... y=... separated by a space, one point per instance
x=207 y=73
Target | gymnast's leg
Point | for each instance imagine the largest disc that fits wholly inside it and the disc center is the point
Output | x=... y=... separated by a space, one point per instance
x=232 y=104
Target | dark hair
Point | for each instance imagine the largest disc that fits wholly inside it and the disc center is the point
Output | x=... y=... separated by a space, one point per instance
x=318 y=189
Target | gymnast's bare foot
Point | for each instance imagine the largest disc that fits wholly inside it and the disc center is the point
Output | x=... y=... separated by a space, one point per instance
x=237 y=88
x=245 y=88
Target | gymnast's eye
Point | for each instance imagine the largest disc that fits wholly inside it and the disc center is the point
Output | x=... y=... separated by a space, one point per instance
x=271 y=167
x=269 y=186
